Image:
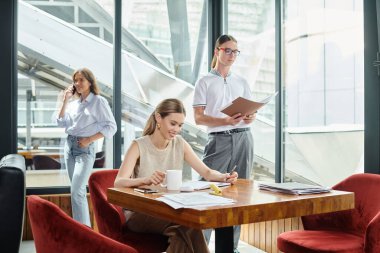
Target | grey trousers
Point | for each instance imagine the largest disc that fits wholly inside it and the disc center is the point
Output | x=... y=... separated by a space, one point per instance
x=222 y=153
x=181 y=239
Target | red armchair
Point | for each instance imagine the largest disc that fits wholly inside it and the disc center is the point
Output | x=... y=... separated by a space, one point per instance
x=55 y=231
x=111 y=220
x=350 y=231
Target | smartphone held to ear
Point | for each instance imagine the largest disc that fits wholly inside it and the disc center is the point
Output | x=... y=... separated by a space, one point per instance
x=74 y=89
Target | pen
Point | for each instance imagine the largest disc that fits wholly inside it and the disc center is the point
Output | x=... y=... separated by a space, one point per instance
x=138 y=191
x=233 y=169
x=142 y=190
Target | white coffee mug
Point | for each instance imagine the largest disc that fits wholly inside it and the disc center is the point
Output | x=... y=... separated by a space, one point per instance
x=173 y=180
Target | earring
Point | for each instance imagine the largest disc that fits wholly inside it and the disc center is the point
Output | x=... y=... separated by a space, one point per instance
x=158 y=126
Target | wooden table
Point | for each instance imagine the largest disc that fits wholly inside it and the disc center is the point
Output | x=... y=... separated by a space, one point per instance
x=252 y=205
x=28 y=154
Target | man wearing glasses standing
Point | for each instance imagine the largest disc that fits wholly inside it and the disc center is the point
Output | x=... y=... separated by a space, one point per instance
x=230 y=141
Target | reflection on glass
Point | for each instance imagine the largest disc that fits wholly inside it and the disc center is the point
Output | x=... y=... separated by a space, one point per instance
x=252 y=24
x=174 y=32
x=324 y=100
x=165 y=45
x=53 y=40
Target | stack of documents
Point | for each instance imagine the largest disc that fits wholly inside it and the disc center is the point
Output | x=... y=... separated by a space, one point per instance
x=201 y=185
x=293 y=188
x=193 y=200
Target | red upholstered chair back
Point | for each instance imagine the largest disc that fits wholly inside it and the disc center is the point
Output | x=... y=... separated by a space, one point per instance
x=367 y=204
x=54 y=231
x=110 y=218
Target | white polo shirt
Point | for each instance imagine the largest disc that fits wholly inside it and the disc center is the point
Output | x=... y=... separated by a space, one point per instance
x=215 y=92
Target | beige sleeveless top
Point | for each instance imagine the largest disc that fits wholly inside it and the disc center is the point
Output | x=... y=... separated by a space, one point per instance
x=152 y=158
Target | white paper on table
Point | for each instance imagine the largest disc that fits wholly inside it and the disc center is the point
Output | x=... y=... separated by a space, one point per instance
x=194 y=199
x=201 y=185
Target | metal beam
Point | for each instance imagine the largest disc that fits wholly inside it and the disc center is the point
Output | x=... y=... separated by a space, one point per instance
x=201 y=45
x=371 y=88
x=279 y=159
x=129 y=41
x=215 y=24
x=117 y=84
x=180 y=39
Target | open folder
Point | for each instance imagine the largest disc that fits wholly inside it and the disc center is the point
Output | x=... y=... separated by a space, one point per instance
x=245 y=106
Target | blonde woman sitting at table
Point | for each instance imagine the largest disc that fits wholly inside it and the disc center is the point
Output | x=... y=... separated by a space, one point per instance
x=145 y=163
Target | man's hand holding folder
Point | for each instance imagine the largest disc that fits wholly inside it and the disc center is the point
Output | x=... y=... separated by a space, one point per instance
x=245 y=107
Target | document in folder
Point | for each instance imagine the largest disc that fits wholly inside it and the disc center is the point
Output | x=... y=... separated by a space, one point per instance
x=293 y=188
x=245 y=106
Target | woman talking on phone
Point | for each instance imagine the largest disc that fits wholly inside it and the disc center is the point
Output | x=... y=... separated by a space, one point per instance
x=86 y=117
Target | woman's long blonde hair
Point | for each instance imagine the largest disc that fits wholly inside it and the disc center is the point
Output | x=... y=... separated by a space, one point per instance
x=222 y=39
x=167 y=106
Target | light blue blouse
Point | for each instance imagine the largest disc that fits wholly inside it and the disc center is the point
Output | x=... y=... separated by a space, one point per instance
x=88 y=117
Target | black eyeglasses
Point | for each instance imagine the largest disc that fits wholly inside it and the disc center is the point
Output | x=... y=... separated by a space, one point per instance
x=229 y=51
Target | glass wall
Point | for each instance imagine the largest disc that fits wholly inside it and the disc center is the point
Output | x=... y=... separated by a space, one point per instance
x=164 y=52
x=251 y=22
x=323 y=90
x=54 y=39
x=175 y=32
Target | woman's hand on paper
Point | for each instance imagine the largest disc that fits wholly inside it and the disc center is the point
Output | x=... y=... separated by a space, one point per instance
x=231 y=178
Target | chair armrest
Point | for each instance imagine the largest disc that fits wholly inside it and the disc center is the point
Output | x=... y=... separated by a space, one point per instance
x=372 y=235
x=83 y=239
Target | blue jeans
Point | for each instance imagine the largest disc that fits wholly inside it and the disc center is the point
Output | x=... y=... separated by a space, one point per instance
x=79 y=163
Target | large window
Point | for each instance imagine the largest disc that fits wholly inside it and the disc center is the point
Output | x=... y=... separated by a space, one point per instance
x=54 y=39
x=174 y=32
x=252 y=24
x=323 y=90
x=164 y=52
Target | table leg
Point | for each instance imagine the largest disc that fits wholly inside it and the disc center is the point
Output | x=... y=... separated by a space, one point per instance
x=224 y=240
x=29 y=164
